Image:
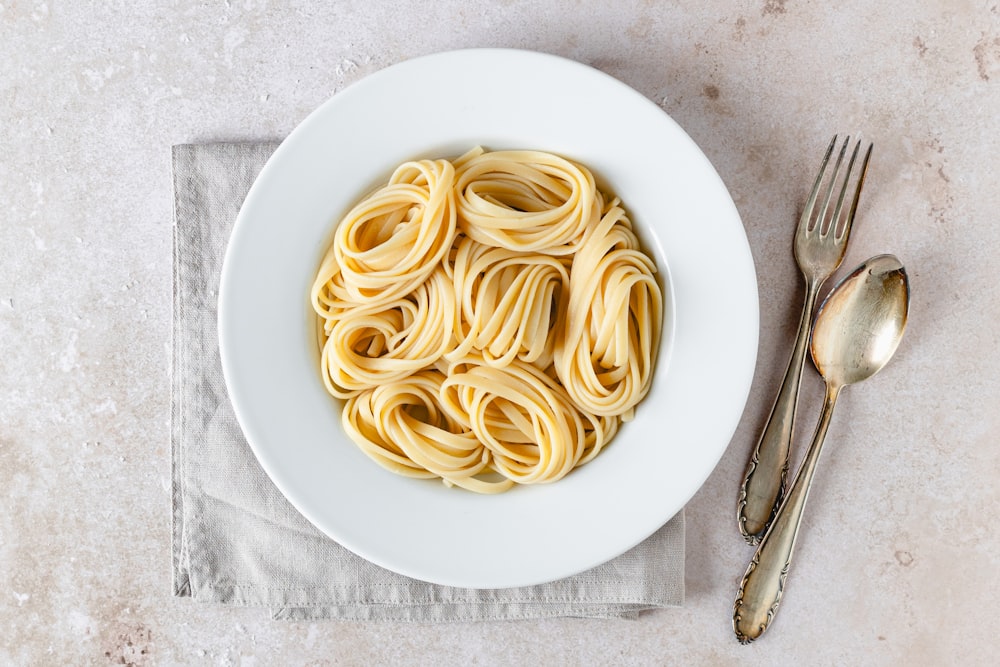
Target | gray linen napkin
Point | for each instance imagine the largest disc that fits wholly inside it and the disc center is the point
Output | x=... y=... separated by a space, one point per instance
x=236 y=540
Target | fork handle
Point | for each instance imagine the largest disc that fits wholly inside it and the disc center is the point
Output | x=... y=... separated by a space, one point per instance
x=764 y=482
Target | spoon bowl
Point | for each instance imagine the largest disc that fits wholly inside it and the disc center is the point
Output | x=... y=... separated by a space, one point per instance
x=857 y=331
x=861 y=322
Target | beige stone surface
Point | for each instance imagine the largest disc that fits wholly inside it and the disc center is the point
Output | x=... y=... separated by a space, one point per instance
x=897 y=563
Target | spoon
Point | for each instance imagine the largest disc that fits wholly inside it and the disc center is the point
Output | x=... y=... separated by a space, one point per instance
x=857 y=330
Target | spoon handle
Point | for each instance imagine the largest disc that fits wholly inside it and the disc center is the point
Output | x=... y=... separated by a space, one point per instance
x=764 y=481
x=764 y=581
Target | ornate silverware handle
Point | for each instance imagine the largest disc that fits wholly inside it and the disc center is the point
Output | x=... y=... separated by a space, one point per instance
x=764 y=481
x=764 y=581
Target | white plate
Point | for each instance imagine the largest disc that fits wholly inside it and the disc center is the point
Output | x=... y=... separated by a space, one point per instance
x=437 y=106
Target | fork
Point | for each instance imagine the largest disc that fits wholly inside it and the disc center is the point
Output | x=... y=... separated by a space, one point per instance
x=820 y=245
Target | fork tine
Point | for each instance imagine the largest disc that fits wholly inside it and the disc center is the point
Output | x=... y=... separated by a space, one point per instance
x=829 y=192
x=835 y=220
x=857 y=190
x=807 y=211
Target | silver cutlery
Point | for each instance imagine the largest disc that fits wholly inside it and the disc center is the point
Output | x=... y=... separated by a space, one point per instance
x=820 y=243
x=857 y=331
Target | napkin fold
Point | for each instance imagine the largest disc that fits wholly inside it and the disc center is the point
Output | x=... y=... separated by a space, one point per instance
x=237 y=540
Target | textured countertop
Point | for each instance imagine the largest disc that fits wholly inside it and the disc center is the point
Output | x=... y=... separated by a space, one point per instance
x=897 y=562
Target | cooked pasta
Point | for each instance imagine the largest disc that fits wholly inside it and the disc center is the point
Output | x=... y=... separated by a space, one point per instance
x=489 y=321
x=525 y=200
